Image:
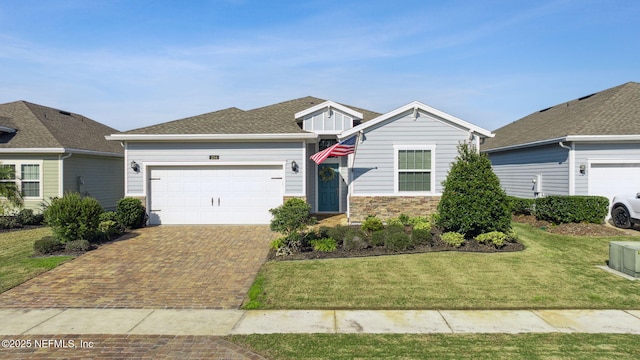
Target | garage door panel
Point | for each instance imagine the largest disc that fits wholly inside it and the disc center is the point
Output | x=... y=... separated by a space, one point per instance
x=215 y=195
x=610 y=179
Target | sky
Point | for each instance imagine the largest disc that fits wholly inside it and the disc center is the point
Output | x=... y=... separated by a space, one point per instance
x=135 y=63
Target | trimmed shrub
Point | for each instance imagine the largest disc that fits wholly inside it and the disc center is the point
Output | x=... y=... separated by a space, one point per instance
x=292 y=216
x=452 y=238
x=77 y=246
x=560 y=209
x=338 y=232
x=131 y=213
x=73 y=217
x=324 y=245
x=372 y=224
x=47 y=245
x=421 y=236
x=404 y=219
x=377 y=238
x=397 y=241
x=420 y=223
x=472 y=201
x=27 y=217
x=394 y=222
x=9 y=222
x=496 y=238
x=520 y=206
x=354 y=239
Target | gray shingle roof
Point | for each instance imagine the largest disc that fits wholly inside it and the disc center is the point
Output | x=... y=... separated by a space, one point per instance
x=614 y=111
x=273 y=119
x=41 y=127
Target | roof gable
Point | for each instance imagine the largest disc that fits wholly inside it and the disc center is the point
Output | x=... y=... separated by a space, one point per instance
x=416 y=107
x=273 y=119
x=611 y=112
x=41 y=127
x=329 y=104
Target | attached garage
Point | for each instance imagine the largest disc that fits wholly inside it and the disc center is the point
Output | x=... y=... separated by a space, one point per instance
x=238 y=194
x=614 y=178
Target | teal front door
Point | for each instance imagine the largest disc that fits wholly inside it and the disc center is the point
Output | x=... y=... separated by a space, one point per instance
x=328 y=188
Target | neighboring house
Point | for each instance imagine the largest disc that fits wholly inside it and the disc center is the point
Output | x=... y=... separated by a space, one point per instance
x=54 y=151
x=231 y=166
x=586 y=146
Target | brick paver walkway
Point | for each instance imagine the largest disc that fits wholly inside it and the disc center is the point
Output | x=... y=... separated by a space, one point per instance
x=124 y=347
x=191 y=267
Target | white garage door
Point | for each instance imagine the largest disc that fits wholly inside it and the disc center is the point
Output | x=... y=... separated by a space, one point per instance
x=214 y=195
x=612 y=179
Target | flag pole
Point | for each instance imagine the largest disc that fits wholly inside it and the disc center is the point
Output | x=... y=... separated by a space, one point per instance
x=351 y=178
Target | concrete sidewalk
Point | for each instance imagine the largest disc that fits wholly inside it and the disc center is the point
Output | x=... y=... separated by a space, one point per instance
x=226 y=322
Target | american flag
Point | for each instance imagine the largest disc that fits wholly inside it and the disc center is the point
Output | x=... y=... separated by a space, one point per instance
x=343 y=148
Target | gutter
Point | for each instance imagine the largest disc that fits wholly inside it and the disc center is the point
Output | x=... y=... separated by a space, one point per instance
x=570 y=138
x=200 y=137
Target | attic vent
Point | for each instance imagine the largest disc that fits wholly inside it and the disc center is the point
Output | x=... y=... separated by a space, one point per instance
x=65 y=113
x=543 y=110
x=586 y=97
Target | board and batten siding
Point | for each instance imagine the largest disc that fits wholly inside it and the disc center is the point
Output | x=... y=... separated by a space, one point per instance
x=517 y=168
x=100 y=177
x=322 y=121
x=374 y=163
x=228 y=152
x=601 y=152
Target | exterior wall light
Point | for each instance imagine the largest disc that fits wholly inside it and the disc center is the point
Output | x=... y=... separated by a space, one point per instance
x=294 y=166
x=135 y=166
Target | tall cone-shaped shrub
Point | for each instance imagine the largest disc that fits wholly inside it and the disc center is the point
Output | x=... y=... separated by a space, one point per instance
x=472 y=200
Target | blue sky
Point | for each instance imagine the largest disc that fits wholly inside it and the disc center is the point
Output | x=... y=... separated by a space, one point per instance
x=134 y=63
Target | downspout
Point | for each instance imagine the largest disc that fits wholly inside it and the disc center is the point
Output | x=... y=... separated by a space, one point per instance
x=572 y=161
x=61 y=159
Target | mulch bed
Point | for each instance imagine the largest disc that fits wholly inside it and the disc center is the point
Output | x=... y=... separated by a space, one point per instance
x=573 y=229
x=581 y=229
x=437 y=246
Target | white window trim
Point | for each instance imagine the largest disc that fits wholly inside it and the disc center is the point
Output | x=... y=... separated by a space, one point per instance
x=18 y=166
x=396 y=169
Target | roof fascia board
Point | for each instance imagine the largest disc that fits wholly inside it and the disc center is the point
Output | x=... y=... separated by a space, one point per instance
x=329 y=104
x=573 y=138
x=420 y=106
x=56 y=151
x=526 y=145
x=597 y=138
x=200 y=137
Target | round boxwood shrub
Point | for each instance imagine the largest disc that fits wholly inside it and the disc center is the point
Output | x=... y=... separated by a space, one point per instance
x=472 y=201
x=397 y=241
x=77 y=246
x=377 y=238
x=73 y=217
x=421 y=236
x=372 y=224
x=130 y=213
x=47 y=245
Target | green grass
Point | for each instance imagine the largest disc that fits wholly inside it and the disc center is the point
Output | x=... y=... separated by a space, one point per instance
x=553 y=272
x=16 y=262
x=442 y=346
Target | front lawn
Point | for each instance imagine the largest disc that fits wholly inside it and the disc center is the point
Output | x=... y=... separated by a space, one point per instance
x=442 y=346
x=553 y=272
x=16 y=262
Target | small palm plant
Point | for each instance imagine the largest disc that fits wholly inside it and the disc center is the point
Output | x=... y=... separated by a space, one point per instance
x=9 y=191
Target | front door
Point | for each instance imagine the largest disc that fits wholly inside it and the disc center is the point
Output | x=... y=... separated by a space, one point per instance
x=328 y=188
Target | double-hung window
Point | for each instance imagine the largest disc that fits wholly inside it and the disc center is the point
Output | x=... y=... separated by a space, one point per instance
x=26 y=177
x=414 y=168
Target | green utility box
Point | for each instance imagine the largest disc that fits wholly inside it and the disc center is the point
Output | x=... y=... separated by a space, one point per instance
x=624 y=256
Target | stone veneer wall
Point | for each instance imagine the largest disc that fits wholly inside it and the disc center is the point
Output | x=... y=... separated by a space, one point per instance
x=385 y=207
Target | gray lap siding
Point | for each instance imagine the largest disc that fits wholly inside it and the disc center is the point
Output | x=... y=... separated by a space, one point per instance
x=227 y=152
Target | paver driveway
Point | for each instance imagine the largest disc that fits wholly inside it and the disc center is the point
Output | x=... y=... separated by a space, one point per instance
x=194 y=267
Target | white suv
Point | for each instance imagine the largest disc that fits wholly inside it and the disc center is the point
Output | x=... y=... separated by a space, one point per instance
x=625 y=210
